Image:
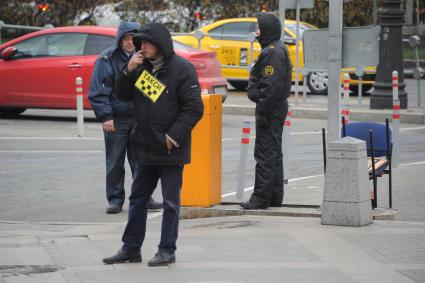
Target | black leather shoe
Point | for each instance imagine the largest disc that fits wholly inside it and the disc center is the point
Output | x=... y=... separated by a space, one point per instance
x=113 y=209
x=162 y=258
x=122 y=257
x=251 y=206
x=154 y=205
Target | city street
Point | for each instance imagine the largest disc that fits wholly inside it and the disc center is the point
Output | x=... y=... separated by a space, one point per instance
x=48 y=174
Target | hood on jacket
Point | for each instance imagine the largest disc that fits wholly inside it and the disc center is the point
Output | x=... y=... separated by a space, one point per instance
x=270 y=28
x=126 y=27
x=158 y=35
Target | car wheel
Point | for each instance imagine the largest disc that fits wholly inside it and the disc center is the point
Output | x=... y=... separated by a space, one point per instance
x=355 y=89
x=238 y=85
x=11 y=112
x=317 y=82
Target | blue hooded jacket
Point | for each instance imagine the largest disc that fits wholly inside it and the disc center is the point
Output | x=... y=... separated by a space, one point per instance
x=108 y=65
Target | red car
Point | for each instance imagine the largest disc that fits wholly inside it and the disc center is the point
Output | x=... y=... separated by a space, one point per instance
x=38 y=70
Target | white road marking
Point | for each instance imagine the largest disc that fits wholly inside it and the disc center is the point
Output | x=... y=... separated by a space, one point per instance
x=412 y=129
x=290 y=181
x=413 y=163
x=48 y=138
x=51 y=151
x=293 y=134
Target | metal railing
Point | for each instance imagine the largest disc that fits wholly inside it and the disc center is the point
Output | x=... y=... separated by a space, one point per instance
x=7 y=26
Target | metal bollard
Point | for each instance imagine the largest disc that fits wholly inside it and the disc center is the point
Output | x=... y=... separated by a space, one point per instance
x=304 y=72
x=359 y=73
x=395 y=121
x=80 y=106
x=286 y=144
x=246 y=130
x=345 y=102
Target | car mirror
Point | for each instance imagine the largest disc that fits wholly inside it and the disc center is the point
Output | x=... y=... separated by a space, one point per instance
x=289 y=40
x=8 y=52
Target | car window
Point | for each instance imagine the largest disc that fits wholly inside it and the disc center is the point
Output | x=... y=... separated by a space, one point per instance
x=237 y=29
x=97 y=43
x=52 y=45
x=30 y=47
x=293 y=28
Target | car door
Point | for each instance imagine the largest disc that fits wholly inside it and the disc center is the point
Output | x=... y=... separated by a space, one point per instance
x=95 y=44
x=19 y=77
x=64 y=61
x=232 y=50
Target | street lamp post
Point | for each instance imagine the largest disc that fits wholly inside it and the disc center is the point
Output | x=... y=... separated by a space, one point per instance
x=390 y=57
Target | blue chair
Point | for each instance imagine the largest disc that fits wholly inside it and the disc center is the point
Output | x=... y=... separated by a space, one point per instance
x=378 y=138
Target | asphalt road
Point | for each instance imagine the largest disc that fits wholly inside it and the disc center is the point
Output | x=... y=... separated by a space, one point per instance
x=48 y=174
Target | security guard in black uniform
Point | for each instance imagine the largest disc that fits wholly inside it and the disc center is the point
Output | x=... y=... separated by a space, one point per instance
x=268 y=86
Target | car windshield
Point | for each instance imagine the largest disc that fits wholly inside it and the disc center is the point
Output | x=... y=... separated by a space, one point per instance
x=293 y=28
x=181 y=47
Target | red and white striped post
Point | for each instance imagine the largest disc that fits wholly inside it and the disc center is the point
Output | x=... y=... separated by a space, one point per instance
x=246 y=130
x=286 y=144
x=80 y=106
x=395 y=121
x=346 y=99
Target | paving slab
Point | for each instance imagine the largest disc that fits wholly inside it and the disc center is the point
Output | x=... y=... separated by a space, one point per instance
x=246 y=248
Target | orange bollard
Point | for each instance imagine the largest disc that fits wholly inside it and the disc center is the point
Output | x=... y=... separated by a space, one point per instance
x=202 y=177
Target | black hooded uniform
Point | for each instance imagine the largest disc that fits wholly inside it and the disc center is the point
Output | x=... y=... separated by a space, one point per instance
x=174 y=114
x=268 y=86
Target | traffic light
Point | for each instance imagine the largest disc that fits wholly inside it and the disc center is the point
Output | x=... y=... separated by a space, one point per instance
x=43 y=7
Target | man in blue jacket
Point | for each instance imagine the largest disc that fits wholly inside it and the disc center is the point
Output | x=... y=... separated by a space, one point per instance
x=116 y=115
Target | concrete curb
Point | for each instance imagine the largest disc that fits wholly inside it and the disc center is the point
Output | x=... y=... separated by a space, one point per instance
x=286 y=210
x=406 y=116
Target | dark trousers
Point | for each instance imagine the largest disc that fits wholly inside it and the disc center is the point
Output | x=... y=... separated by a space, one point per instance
x=268 y=187
x=145 y=181
x=117 y=145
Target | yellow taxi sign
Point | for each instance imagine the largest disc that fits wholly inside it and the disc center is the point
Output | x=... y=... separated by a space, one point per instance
x=150 y=86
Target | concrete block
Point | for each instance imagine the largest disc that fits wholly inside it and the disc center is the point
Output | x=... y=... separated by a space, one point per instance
x=347 y=180
x=347 y=144
x=346 y=214
x=346 y=199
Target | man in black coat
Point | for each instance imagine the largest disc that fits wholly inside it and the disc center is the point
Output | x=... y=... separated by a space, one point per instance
x=167 y=102
x=268 y=86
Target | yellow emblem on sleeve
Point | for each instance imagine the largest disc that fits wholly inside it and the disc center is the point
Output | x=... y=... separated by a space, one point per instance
x=150 y=86
x=269 y=70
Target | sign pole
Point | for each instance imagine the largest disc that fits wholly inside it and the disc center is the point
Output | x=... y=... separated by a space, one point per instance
x=297 y=63
x=334 y=71
x=282 y=13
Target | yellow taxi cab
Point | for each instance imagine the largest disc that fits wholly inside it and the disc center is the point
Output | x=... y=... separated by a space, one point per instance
x=229 y=39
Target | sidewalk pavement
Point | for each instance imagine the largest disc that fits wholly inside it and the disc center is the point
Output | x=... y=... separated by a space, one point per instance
x=315 y=107
x=238 y=249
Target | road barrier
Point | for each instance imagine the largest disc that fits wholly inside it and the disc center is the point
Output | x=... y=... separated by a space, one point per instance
x=346 y=100
x=80 y=105
x=395 y=121
x=246 y=130
x=286 y=145
x=202 y=177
